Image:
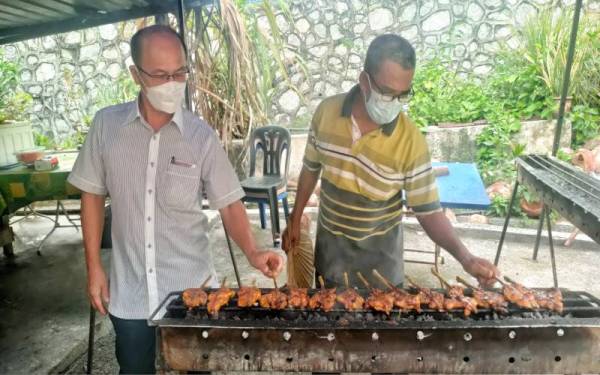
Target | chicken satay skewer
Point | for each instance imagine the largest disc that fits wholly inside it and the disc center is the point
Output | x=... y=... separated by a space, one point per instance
x=324 y=299
x=457 y=298
x=516 y=294
x=486 y=299
x=195 y=297
x=378 y=300
x=433 y=299
x=350 y=298
x=402 y=299
x=551 y=300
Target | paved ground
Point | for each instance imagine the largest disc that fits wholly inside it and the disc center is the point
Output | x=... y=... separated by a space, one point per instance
x=44 y=311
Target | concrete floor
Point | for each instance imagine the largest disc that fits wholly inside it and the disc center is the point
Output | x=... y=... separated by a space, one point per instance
x=44 y=310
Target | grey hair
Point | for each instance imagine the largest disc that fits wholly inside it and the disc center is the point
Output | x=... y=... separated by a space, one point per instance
x=141 y=34
x=390 y=47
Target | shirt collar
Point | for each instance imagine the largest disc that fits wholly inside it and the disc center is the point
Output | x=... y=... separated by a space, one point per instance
x=135 y=113
x=354 y=94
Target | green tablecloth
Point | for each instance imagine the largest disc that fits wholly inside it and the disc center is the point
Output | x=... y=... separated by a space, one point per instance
x=20 y=186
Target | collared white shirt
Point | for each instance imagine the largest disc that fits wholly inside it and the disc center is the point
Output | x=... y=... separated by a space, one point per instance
x=155 y=181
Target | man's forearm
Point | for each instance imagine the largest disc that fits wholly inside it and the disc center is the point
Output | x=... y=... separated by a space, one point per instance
x=306 y=185
x=235 y=220
x=92 y=223
x=440 y=230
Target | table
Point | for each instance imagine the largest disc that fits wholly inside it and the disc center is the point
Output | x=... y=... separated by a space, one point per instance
x=20 y=186
x=461 y=188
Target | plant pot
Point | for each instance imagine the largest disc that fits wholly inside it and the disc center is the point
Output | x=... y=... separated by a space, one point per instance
x=14 y=136
x=568 y=103
x=532 y=209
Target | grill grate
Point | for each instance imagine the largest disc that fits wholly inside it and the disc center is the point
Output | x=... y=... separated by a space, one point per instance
x=577 y=306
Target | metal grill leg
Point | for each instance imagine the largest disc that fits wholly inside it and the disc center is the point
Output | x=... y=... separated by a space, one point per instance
x=503 y=235
x=552 y=259
x=539 y=233
x=91 y=334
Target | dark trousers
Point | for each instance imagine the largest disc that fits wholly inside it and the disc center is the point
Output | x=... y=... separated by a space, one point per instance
x=135 y=345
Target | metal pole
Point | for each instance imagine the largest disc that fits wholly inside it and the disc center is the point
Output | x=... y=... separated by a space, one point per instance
x=181 y=23
x=503 y=235
x=552 y=259
x=235 y=269
x=90 y=353
x=566 y=77
x=539 y=233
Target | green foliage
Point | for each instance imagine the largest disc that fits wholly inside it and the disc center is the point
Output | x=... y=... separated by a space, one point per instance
x=516 y=87
x=586 y=124
x=443 y=96
x=13 y=101
x=496 y=148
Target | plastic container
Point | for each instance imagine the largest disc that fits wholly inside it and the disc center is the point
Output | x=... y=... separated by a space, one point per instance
x=29 y=156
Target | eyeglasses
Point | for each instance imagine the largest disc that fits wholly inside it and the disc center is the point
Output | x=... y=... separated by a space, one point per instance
x=403 y=97
x=179 y=75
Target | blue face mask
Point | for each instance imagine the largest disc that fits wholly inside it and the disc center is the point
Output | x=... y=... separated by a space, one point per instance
x=380 y=108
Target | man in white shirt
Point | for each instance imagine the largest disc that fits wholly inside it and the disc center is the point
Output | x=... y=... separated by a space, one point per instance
x=155 y=160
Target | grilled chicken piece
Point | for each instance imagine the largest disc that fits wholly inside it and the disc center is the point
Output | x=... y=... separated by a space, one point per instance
x=520 y=296
x=406 y=301
x=324 y=299
x=380 y=301
x=218 y=299
x=194 y=297
x=248 y=296
x=276 y=300
x=458 y=300
x=551 y=300
x=351 y=299
x=298 y=298
x=490 y=300
x=434 y=300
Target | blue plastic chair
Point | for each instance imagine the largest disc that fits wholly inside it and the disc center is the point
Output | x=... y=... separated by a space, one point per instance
x=271 y=187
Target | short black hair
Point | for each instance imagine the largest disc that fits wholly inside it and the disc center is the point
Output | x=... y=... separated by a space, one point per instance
x=136 y=40
x=389 y=47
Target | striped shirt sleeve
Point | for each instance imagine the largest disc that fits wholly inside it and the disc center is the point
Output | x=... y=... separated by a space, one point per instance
x=88 y=173
x=311 y=154
x=218 y=176
x=420 y=184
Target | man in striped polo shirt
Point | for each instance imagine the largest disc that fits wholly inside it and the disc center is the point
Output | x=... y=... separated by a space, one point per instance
x=156 y=160
x=368 y=152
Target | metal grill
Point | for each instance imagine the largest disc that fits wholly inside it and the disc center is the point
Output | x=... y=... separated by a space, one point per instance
x=258 y=339
x=574 y=194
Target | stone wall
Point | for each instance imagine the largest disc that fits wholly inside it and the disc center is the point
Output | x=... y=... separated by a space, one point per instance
x=65 y=72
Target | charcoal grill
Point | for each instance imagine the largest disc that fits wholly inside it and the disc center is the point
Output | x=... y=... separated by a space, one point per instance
x=257 y=339
x=574 y=194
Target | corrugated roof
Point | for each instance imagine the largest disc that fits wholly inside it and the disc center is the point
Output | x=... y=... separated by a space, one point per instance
x=26 y=19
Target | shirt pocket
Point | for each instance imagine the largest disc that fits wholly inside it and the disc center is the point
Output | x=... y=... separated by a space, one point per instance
x=182 y=187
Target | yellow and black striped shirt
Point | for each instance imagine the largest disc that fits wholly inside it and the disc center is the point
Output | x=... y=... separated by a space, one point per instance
x=362 y=185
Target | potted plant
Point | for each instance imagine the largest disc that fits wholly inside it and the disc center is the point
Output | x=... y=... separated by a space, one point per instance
x=531 y=204
x=15 y=134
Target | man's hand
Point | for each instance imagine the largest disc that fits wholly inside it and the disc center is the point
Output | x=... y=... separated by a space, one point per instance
x=484 y=271
x=291 y=236
x=268 y=262
x=98 y=289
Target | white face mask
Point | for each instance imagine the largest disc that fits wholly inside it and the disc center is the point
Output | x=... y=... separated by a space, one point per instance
x=379 y=110
x=167 y=97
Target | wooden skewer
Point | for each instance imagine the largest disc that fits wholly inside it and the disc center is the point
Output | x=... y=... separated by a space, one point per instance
x=510 y=280
x=364 y=281
x=322 y=282
x=254 y=283
x=346 y=280
x=224 y=282
x=466 y=283
x=385 y=281
x=275 y=282
x=412 y=282
x=442 y=280
x=205 y=282
x=500 y=280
